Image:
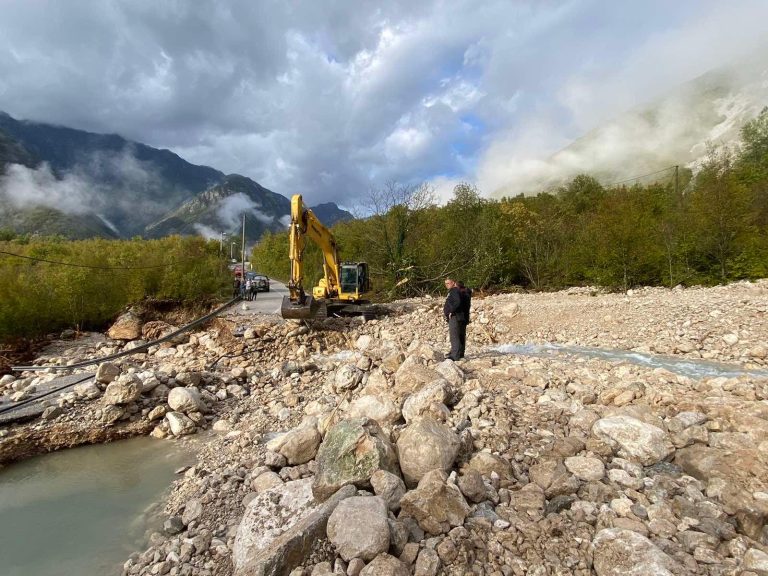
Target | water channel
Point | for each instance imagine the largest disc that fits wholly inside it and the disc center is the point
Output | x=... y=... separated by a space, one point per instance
x=692 y=368
x=83 y=511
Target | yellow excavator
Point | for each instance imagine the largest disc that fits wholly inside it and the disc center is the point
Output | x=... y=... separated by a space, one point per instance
x=344 y=287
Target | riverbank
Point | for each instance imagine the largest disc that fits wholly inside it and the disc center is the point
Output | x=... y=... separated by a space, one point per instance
x=553 y=464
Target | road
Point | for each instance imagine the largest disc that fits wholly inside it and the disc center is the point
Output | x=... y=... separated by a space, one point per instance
x=265 y=302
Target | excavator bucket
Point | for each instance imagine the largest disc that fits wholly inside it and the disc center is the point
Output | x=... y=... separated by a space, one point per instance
x=296 y=311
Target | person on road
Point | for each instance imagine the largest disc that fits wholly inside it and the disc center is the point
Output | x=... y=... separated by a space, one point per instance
x=456 y=314
x=236 y=288
x=253 y=291
x=248 y=284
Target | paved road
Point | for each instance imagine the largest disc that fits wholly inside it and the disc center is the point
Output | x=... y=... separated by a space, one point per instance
x=265 y=302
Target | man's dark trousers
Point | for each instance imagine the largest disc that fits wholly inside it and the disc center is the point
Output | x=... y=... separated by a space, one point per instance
x=457 y=330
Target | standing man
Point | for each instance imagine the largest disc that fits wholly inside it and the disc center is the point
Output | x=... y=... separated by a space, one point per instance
x=456 y=314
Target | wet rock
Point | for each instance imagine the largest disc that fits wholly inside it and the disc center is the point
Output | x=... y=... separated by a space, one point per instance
x=635 y=440
x=436 y=504
x=619 y=552
x=126 y=389
x=426 y=445
x=358 y=528
x=349 y=454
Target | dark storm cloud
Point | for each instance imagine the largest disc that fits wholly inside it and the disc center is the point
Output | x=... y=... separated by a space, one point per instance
x=329 y=99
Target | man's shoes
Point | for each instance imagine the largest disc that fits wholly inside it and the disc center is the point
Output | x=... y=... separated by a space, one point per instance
x=449 y=357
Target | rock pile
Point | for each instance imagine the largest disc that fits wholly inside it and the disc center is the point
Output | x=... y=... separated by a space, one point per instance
x=356 y=449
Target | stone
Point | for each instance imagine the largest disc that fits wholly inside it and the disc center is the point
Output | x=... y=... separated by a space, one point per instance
x=185 y=400
x=266 y=481
x=388 y=486
x=156 y=413
x=280 y=527
x=111 y=414
x=126 y=389
x=193 y=509
x=347 y=378
x=385 y=565
x=427 y=564
x=436 y=392
x=88 y=390
x=107 y=372
x=635 y=440
x=358 y=528
x=584 y=468
x=436 y=504
x=620 y=552
x=355 y=566
x=426 y=445
x=300 y=444
x=350 y=453
x=180 y=424
x=487 y=463
x=452 y=373
x=755 y=561
x=173 y=525
x=126 y=327
x=472 y=486
x=412 y=376
x=378 y=408
x=529 y=498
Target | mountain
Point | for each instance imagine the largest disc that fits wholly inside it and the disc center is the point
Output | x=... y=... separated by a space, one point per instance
x=58 y=180
x=674 y=129
x=328 y=213
x=219 y=209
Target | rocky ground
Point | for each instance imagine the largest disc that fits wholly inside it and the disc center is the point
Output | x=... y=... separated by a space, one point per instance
x=354 y=448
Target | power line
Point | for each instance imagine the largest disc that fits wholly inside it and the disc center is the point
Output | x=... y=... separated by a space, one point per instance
x=639 y=177
x=75 y=265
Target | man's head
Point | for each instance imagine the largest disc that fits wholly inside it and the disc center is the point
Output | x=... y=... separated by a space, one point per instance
x=450 y=283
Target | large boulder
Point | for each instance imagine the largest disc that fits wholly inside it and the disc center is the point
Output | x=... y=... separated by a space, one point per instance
x=378 y=408
x=436 y=504
x=350 y=453
x=126 y=327
x=127 y=388
x=185 y=400
x=436 y=392
x=635 y=440
x=620 y=552
x=358 y=528
x=279 y=528
x=426 y=445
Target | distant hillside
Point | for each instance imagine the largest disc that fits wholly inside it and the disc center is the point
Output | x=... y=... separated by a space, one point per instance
x=58 y=180
x=219 y=209
x=674 y=129
x=329 y=213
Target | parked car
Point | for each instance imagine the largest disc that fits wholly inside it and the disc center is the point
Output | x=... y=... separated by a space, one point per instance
x=262 y=282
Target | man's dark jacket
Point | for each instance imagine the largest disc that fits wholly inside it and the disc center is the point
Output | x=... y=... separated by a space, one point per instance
x=456 y=305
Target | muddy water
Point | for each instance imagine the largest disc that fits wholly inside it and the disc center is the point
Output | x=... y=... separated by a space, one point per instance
x=83 y=511
x=685 y=366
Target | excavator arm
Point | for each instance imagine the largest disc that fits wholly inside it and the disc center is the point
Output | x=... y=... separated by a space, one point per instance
x=304 y=224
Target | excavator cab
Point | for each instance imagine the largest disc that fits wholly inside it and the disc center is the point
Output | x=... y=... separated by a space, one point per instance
x=354 y=280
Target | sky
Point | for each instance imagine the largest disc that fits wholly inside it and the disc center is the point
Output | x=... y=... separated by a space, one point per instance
x=334 y=98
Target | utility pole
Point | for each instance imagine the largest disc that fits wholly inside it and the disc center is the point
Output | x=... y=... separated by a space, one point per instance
x=677 y=179
x=242 y=252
